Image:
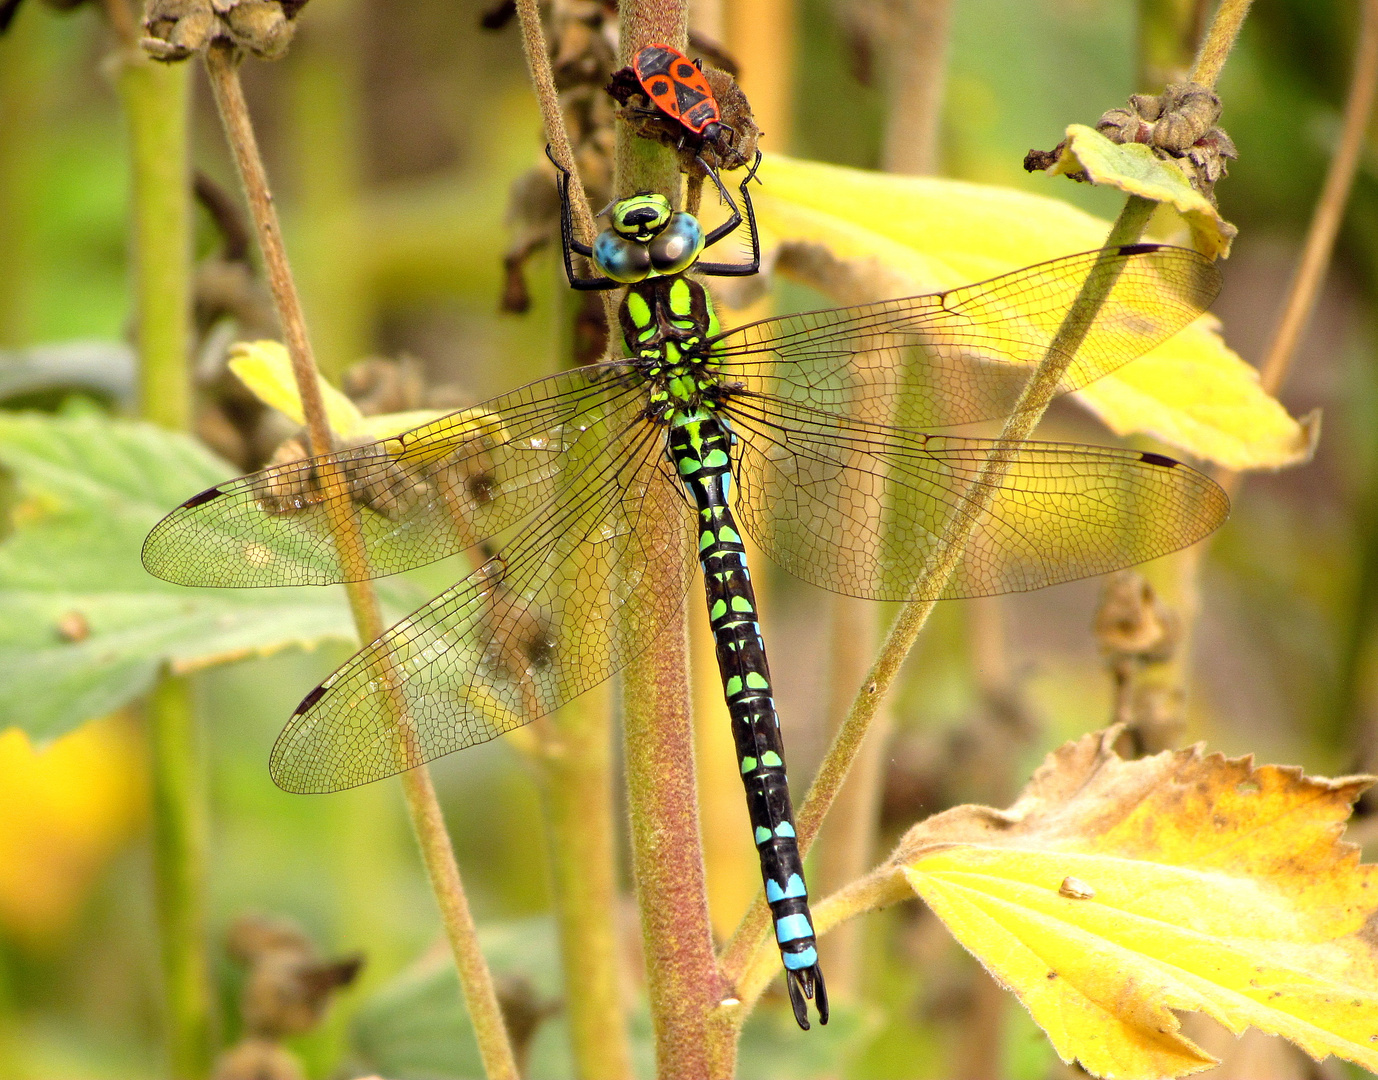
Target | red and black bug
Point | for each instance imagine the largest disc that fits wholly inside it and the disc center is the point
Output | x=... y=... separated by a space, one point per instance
x=677 y=89
x=677 y=86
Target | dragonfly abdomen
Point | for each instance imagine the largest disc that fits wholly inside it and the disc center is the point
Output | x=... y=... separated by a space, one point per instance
x=700 y=447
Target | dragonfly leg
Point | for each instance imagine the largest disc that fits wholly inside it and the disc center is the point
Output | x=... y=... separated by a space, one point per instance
x=745 y=269
x=568 y=244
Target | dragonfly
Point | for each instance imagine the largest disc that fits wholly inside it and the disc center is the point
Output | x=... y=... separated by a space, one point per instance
x=826 y=437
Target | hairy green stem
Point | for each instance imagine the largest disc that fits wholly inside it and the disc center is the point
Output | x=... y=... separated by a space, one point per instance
x=575 y=760
x=179 y=863
x=751 y=935
x=1219 y=40
x=427 y=820
x=156 y=100
x=543 y=82
x=23 y=78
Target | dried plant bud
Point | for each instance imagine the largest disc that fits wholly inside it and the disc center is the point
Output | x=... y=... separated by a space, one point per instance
x=289 y=986
x=380 y=385
x=1179 y=124
x=1132 y=622
x=1188 y=111
x=1124 y=126
x=175 y=29
x=1148 y=106
x=533 y=214
x=261 y=26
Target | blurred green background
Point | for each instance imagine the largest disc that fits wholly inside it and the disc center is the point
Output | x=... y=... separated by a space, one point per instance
x=393 y=131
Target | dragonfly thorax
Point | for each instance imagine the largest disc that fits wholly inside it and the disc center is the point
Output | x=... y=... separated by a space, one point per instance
x=669 y=326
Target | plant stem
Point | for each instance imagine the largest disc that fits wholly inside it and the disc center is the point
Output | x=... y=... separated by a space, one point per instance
x=1033 y=401
x=667 y=855
x=23 y=79
x=179 y=863
x=543 y=82
x=426 y=817
x=846 y=846
x=685 y=984
x=575 y=761
x=1330 y=207
x=156 y=100
x=1297 y=309
x=918 y=58
x=575 y=747
x=1219 y=40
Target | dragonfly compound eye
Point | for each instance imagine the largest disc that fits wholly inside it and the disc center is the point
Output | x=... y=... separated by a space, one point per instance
x=675 y=249
x=619 y=258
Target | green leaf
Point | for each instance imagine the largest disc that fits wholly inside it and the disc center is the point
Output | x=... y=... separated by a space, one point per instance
x=85 y=628
x=415 y=1027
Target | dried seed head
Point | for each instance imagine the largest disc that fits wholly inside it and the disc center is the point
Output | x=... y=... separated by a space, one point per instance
x=1133 y=623
x=288 y=985
x=1178 y=124
x=175 y=29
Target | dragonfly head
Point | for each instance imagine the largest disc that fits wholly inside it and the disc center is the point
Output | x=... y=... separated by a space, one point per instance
x=647 y=239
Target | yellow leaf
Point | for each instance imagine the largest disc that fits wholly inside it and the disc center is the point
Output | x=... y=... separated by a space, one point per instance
x=67 y=809
x=265 y=368
x=1136 y=170
x=390 y=425
x=1114 y=892
x=861 y=236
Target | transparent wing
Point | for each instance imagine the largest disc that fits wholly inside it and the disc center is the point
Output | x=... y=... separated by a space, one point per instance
x=429 y=493
x=963 y=355
x=860 y=509
x=557 y=612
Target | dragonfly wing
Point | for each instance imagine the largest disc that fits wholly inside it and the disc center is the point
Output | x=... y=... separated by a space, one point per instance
x=432 y=492
x=551 y=616
x=862 y=510
x=964 y=355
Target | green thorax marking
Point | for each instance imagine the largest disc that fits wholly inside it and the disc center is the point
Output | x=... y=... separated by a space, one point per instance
x=666 y=323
